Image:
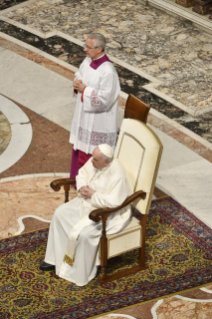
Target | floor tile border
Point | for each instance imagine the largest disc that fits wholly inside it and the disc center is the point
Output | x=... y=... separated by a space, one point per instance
x=120 y=315
x=206 y=290
x=181 y=128
x=193 y=300
x=21 y=134
x=22 y=226
x=172 y=8
x=41 y=53
x=154 y=308
x=19 y=177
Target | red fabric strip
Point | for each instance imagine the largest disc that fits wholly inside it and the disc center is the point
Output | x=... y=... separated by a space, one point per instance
x=82 y=94
x=82 y=158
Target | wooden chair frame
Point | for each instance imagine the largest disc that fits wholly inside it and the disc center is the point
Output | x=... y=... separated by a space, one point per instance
x=101 y=214
x=136 y=109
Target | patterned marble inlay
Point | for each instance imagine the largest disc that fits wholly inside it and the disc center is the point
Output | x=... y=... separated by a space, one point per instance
x=5 y=133
x=130 y=82
x=71 y=53
x=168 y=48
x=5 y=4
x=30 y=196
x=173 y=308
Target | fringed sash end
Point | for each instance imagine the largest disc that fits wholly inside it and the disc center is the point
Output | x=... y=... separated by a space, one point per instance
x=68 y=260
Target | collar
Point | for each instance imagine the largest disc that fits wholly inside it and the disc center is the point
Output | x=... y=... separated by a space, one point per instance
x=97 y=62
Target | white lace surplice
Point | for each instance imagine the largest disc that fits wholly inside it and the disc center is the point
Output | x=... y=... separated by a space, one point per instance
x=95 y=119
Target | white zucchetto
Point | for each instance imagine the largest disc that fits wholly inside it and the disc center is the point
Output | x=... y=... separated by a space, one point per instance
x=106 y=150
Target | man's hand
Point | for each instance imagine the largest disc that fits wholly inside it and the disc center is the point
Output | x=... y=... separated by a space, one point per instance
x=78 y=85
x=86 y=192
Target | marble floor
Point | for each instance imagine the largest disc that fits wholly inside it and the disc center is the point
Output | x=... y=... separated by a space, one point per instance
x=169 y=64
x=5 y=133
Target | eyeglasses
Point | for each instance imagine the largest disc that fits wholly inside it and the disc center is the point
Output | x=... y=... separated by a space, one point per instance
x=85 y=47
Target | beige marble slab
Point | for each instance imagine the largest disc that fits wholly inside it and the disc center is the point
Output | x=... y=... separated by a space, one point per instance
x=31 y=85
x=174 y=307
x=27 y=196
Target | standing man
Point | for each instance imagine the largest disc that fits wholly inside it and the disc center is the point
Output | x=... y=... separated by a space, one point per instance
x=97 y=88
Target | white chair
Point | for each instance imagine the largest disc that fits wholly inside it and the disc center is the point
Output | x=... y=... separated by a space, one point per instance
x=139 y=151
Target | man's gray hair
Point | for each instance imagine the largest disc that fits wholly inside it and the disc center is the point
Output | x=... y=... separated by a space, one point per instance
x=100 y=40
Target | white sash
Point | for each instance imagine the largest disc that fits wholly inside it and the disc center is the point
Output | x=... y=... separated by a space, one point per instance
x=73 y=237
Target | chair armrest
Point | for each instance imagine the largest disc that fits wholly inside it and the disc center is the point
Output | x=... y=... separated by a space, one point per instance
x=57 y=183
x=96 y=214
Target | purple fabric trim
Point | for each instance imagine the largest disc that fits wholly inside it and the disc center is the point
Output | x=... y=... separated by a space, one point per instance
x=74 y=164
x=96 y=63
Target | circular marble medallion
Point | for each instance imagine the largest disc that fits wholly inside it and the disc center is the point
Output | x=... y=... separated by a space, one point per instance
x=5 y=133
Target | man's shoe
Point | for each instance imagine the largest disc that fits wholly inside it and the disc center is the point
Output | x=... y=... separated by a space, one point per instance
x=46 y=267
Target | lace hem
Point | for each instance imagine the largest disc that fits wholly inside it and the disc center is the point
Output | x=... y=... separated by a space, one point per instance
x=96 y=138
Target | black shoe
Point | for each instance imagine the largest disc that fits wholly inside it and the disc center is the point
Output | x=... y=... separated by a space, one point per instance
x=46 y=267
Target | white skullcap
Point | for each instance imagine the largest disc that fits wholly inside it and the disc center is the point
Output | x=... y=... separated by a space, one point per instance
x=106 y=150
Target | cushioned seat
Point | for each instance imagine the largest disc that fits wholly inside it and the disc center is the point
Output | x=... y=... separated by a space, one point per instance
x=128 y=239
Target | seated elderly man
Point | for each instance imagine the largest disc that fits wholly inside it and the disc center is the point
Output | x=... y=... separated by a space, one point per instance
x=73 y=237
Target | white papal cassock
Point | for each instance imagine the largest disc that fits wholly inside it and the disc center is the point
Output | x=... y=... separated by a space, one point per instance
x=96 y=117
x=73 y=238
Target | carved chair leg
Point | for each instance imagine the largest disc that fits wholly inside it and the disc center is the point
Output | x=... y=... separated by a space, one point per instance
x=103 y=277
x=67 y=189
x=143 y=237
x=103 y=250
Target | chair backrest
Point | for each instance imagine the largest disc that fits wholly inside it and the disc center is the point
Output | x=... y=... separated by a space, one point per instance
x=139 y=151
x=136 y=109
